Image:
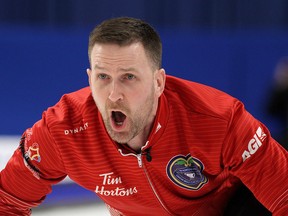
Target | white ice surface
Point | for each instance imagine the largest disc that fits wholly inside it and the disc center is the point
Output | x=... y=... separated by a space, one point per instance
x=8 y=144
x=97 y=209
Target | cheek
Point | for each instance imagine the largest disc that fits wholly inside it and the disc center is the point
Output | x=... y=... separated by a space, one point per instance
x=142 y=97
x=138 y=95
x=99 y=95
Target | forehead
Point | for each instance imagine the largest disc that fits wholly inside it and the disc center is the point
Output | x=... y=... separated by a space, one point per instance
x=134 y=51
x=114 y=56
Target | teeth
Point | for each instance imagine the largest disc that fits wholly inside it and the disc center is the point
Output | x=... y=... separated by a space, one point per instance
x=119 y=123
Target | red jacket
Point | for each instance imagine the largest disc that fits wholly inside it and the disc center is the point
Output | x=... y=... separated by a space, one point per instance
x=202 y=144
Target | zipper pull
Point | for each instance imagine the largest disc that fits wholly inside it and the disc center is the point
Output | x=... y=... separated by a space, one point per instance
x=147 y=154
x=139 y=158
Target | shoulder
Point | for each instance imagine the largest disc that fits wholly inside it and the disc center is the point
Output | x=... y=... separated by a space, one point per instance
x=70 y=108
x=199 y=98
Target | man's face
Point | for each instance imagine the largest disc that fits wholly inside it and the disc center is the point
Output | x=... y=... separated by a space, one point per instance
x=125 y=89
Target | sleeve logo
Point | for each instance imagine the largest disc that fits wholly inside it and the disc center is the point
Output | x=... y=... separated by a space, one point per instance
x=33 y=152
x=186 y=172
x=254 y=144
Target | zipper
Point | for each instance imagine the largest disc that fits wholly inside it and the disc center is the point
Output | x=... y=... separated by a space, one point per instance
x=155 y=193
x=138 y=156
x=141 y=165
x=139 y=159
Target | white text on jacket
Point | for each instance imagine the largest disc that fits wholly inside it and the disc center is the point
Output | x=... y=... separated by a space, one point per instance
x=254 y=144
x=109 y=180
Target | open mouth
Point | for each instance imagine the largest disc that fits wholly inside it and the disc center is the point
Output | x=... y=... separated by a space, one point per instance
x=118 y=118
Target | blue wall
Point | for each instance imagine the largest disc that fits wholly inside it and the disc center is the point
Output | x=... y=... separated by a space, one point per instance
x=39 y=64
x=192 y=13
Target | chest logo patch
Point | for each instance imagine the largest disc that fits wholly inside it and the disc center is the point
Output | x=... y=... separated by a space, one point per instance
x=186 y=172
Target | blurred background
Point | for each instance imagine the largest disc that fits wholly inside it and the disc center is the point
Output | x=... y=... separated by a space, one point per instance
x=233 y=45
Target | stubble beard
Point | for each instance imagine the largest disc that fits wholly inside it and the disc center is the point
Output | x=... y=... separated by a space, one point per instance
x=137 y=121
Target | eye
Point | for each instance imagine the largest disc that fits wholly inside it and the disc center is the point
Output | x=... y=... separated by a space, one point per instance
x=103 y=76
x=129 y=76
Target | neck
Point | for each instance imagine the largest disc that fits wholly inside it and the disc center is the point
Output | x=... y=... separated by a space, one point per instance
x=139 y=141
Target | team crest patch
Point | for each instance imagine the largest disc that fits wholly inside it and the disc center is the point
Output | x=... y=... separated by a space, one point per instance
x=33 y=152
x=187 y=172
x=30 y=154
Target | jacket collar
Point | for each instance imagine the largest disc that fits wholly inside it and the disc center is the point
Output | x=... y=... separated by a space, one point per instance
x=160 y=122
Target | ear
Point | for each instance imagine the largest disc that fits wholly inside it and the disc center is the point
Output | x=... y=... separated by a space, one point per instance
x=88 y=70
x=160 y=79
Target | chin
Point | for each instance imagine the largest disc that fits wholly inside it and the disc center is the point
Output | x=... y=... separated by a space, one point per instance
x=120 y=137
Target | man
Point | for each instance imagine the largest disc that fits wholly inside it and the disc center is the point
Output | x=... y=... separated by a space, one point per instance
x=152 y=145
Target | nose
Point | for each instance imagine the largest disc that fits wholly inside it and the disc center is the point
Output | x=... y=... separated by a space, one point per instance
x=115 y=92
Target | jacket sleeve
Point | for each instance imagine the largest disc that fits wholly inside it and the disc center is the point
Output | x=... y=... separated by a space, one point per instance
x=252 y=155
x=30 y=172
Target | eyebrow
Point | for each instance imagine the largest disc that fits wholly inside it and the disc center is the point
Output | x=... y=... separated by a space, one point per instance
x=98 y=67
x=129 y=69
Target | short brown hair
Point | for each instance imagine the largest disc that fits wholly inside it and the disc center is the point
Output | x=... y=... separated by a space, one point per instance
x=125 y=31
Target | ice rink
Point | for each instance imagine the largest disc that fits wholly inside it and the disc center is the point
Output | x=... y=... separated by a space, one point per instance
x=98 y=209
